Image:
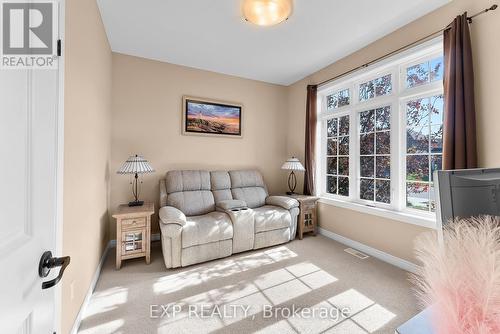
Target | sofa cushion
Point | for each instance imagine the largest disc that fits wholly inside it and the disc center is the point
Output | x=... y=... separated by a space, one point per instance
x=269 y=217
x=187 y=180
x=192 y=203
x=254 y=196
x=221 y=186
x=246 y=178
x=189 y=191
x=248 y=186
x=212 y=227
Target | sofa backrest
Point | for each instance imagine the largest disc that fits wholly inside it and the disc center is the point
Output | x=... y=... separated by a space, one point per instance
x=248 y=185
x=221 y=186
x=190 y=192
x=195 y=192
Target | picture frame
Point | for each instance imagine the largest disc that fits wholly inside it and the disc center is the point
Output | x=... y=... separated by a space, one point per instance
x=210 y=117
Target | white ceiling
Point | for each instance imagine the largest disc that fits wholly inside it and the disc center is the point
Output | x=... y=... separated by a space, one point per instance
x=211 y=34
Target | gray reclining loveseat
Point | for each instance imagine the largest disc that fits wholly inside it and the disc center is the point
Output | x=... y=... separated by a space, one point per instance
x=209 y=215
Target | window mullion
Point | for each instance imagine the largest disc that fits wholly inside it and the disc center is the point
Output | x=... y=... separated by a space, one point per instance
x=398 y=154
x=354 y=155
x=396 y=139
x=321 y=184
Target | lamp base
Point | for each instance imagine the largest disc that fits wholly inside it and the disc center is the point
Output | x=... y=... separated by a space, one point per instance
x=136 y=203
x=292 y=183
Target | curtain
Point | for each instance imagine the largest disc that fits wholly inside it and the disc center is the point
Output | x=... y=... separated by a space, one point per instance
x=310 y=147
x=459 y=130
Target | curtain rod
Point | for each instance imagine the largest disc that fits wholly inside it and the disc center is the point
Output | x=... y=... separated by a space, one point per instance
x=403 y=48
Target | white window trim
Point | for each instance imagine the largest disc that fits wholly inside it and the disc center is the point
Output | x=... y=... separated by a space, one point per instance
x=401 y=216
x=395 y=66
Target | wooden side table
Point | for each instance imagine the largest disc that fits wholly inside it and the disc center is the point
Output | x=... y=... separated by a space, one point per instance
x=133 y=232
x=307 y=221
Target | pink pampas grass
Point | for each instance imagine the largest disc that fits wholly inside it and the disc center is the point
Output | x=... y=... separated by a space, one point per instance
x=460 y=277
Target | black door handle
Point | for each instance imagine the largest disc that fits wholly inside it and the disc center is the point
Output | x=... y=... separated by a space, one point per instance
x=47 y=262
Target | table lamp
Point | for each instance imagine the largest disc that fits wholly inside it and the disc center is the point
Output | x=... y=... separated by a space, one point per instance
x=135 y=165
x=292 y=164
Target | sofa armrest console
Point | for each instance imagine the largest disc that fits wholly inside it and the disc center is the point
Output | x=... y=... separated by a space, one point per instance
x=243 y=228
x=231 y=204
x=284 y=202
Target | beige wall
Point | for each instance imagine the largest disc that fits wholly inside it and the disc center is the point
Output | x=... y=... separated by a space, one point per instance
x=147 y=117
x=389 y=236
x=87 y=140
x=393 y=237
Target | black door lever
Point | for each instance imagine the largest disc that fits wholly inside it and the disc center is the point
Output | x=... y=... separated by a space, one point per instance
x=47 y=262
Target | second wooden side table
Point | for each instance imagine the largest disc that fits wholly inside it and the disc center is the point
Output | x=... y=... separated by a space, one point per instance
x=307 y=220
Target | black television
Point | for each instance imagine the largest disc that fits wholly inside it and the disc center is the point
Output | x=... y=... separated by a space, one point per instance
x=467 y=193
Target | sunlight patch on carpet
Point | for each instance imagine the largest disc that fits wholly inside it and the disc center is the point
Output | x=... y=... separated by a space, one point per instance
x=105 y=301
x=205 y=273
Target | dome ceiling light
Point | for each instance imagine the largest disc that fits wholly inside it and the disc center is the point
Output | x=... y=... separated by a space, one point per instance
x=267 y=12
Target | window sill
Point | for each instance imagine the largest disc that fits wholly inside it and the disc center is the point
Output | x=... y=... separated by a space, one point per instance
x=405 y=217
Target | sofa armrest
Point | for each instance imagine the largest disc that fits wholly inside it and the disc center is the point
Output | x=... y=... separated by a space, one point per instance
x=171 y=215
x=282 y=201
x=172 y=221
x=163 y=193
x=231 y=204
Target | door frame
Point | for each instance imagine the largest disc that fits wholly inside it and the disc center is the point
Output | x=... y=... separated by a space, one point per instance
x=60 y=164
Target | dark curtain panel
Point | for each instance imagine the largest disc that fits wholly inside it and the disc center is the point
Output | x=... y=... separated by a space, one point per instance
x=310 y=159
x=459 y=131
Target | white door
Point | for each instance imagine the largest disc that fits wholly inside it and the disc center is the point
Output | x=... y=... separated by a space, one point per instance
x=29 y=197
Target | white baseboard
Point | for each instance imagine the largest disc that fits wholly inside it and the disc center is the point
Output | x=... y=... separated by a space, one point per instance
x=391 y=259
x=95 y=278
x=93 y=283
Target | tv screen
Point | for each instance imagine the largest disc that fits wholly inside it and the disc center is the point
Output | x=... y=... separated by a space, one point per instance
x=468 y=192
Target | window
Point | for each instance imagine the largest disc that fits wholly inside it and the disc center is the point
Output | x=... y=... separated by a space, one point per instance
x=337 y=156
x=374 y=155
x=376 y=87
x=424 y=149
x=338 y=100
x=423 y=73
x=382 y=133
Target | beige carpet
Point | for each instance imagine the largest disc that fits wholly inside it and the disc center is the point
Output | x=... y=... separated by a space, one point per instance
x=253 y=292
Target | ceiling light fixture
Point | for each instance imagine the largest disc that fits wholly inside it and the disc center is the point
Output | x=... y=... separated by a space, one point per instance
x=267 y=12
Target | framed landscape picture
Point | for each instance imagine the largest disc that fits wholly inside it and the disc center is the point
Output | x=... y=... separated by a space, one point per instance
x=211 y=117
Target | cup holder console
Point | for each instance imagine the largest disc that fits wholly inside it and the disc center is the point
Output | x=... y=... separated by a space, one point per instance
x=239 y=209
x=243 y=228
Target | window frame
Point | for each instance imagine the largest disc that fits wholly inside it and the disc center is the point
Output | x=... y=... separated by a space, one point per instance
x=337 y=156
x=400 y=94
x=373 y=203
x=336 y=92
x=428 y=94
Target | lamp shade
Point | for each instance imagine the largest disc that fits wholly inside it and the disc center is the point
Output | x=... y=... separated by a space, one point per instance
x=293 y=164
x=135 y=165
